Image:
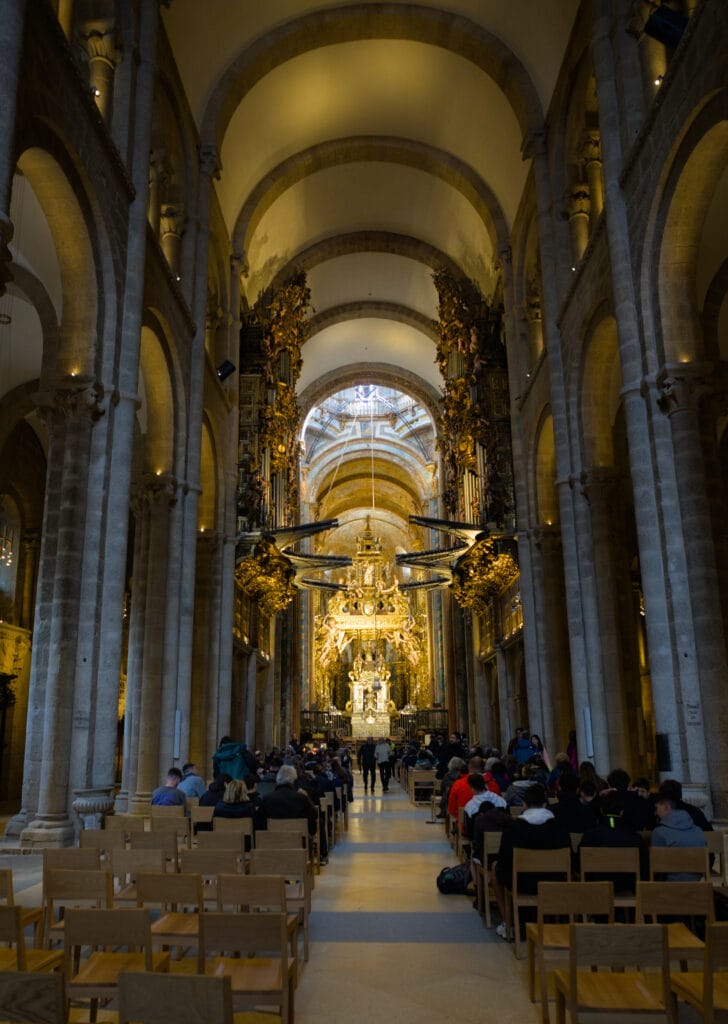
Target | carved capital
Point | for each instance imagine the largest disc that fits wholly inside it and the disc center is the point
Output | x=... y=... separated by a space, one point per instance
x=71 y=398
x=172 y=220
x=98 y=39
x=578 y=201
x=210 y=164
x=532 y=303
x=682 y=388
x=591 y=148
x=156 y=490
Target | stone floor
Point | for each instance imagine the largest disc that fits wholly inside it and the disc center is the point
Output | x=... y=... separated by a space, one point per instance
x=386 y=945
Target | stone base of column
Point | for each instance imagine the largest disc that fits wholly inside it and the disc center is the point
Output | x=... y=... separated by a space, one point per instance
x=121 y=803
x=16 y=824
x=49 y=831
x=140 y=803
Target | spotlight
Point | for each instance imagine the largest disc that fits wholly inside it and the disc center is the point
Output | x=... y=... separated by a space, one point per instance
x=225 y=369
x=666 y=26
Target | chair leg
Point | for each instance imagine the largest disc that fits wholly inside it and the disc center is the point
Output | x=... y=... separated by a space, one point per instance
x=531 y=958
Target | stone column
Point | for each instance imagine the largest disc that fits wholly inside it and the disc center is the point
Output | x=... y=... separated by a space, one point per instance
x=698 y=617
x=12 y=19
x=507 y=698
x=31 y=552
x=578 y=206
x=208 y=628
x=653 y=62
x=599 y=486
x=99 y=42
x=158 y=497
x=592 y=153
x=673 y=675
x=70 y=411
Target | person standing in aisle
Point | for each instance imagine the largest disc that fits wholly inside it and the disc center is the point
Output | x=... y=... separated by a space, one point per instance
x=367 y=761
x=382 y=755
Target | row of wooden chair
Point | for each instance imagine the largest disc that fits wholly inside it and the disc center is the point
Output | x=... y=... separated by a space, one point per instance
x=560 y=904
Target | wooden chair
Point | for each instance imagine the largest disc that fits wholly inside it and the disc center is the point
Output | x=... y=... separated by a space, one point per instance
x=255 y=894
x=126 y=865
x=126 y=823
x=101 y=839
x=686 y=899
x=184 y=999
x=572 y=900
x=72 y=858
x=64 y=888
x=180 y=900
x=294 y=867
x=268 y=976
x=164 y=840
x=27 y=998
x=166 y=811
x=178 y=824
x=582 y=989
x=422 y=781
x=674 y=860
x=29 y=916
x=715 y=842
x=483 y=878
x=209 y=864
x=299 y=826
x=620 y=860
x=103 y=931
x=200 y=816
x=280 y=841
x=539 y=862
x=707 y=990
x=14 y=956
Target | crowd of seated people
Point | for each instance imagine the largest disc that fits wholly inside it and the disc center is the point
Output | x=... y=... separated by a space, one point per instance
x=538 y=806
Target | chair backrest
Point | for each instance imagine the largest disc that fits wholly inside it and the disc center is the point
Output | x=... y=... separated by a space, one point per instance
x=158 y=840
x=169 y=890
x=32 y=998
x=716 y=961
x=166 y=811
x=179 y=825
x=715 y=843
x=126 y=823
x=684 y=898
x=251 y=893
x=221 y=841
x=11 y=932
x=626 y=945
x=541 y=862
x=615 y=860
x=280 y=841
x=491 y=843
x=240 y=825
x=72 y=857
x=292 y=864
x=185 y=999
x=101 y=839
x=298 y=825
x=209 y=863
x=678 y=860
x=201 y=814
x=64 y=886
x=102 y=929
x=575 y=900
x=126 y=864
x=241 y=934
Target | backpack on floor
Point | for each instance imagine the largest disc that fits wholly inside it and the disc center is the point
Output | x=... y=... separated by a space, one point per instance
x=455 y=880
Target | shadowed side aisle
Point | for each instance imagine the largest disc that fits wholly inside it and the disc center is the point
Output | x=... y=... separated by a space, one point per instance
x=381 y=931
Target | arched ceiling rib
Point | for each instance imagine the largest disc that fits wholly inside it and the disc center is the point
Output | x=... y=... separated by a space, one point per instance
x=371 y=309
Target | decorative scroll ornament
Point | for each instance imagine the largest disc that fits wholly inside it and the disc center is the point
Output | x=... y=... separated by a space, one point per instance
x=266 y=577
x=481 y=575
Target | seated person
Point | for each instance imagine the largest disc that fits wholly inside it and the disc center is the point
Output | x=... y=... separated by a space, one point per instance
x=169 y=795
x=480 y=795
x=576 y=807
x=615 y=831
x=236 y=803
x=676 y=828
x=535 y=829
x=634 y=809
x=489 y=818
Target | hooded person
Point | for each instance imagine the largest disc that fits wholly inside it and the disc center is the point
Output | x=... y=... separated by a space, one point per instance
x=233 y=759
x=676 y=828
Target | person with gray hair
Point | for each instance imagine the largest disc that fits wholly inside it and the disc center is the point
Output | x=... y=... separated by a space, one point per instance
x=456 y=769
x=286 y=801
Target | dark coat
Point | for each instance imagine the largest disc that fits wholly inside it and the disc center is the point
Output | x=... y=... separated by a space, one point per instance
x=287 y=802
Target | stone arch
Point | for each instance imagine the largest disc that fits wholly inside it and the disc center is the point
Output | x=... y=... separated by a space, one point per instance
x=374 y=310
x=158 y=405
x=676 y=224
x=61 y=202
x=366 y=21
x=406 y=152
x=599 y=392
x=547 y=502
